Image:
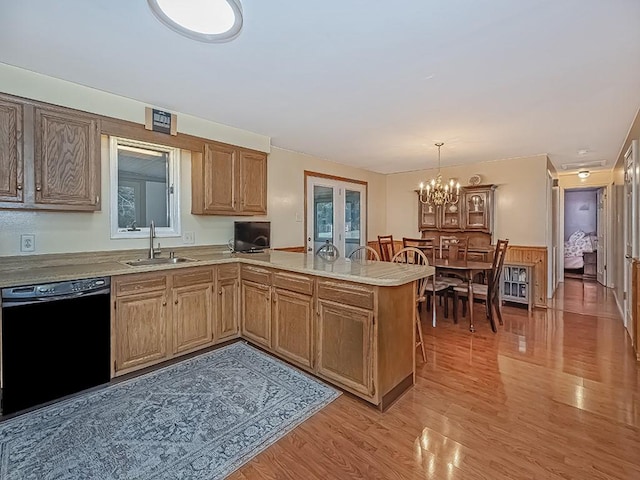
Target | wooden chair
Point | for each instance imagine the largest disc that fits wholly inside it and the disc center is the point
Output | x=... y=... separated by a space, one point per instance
x=328 y=251
x=488 y=292
x=364 y=252
x=387 y=248
x=454 y=247
x=427 y=245
x=417 y=257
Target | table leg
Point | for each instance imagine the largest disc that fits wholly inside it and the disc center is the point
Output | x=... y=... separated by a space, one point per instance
x=433 y=301
x=470 y=300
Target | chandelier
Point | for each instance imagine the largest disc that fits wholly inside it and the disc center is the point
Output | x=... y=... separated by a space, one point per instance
x=437 y=193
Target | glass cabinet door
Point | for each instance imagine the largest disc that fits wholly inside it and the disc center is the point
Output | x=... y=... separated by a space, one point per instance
x=451 y=217
x=477 y=208
x=427 y=216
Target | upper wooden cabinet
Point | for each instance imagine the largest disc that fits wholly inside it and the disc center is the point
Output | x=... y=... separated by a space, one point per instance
x=228 y=180
x=11 y=160
x=51 y=156
x=473 y=212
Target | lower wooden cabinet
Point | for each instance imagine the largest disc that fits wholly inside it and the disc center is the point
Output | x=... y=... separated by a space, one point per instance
x=256 y=312
x=293 y=326
x=160 y=315
x=345 y=346
x=192 y=312
x=357 y=337
x=227 y=304
x=139 y=321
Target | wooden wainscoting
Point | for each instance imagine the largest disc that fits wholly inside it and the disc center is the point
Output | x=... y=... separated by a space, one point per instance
x=635 y=295
x=291 y=249
x=538 y=256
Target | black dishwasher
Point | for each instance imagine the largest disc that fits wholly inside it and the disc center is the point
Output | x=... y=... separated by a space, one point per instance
x=55 y=341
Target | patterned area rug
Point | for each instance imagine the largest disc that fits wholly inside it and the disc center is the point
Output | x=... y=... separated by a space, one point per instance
x=201 y=418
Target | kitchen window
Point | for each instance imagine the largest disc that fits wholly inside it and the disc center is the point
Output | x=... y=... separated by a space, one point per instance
x=144 y=188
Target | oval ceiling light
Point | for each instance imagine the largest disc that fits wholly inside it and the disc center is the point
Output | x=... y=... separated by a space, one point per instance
x=583 y=173
x=203 y=20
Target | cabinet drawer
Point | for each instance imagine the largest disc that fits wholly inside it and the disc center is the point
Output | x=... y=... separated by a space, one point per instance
x=131 y=284
x=193 y=277
x=346 y=293
x=293 y=282
x=227 y=272
x=256 y=274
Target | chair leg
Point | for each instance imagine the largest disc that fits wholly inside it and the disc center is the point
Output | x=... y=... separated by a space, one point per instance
x=455 y=307
x=498 y=310
x=445 y=298
x=464 y=307
x=420 y=341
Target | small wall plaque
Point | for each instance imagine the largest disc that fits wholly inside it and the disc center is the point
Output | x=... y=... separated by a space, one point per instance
x=161 y=121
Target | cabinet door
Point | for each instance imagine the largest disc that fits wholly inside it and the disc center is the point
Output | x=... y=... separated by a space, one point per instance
x=140 y=336
x=427 y=216
x=292 y=326
x=253 y=183
x=219 y=179
x=256 y=312
x=450 y=217
x=192 y=317
x=345 y=346
x=227 y=309
x=478 y=204
x=67 y=159
x=11 y=160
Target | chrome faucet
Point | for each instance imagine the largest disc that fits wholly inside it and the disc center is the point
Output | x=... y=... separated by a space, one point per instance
x=152 y=234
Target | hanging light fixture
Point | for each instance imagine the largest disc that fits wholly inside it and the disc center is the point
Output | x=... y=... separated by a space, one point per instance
x=437 y=193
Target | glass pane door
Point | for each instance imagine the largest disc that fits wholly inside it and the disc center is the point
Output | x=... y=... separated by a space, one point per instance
x=352 y=222
x=336 y=212
x=323 y=215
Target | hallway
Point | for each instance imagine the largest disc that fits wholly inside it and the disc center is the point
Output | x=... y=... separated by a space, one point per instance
x=552 y=395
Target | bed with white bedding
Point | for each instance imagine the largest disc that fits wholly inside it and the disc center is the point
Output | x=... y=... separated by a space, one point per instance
x=578 y=244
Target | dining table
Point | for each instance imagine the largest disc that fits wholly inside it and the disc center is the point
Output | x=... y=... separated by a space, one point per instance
x=467 y=270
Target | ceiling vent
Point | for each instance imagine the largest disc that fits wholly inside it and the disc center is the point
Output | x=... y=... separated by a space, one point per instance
x=581 y=165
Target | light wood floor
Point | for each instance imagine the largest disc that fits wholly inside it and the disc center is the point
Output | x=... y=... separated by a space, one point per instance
x=554 y=395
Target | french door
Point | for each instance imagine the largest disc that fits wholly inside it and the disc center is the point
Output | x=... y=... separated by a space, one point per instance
x=336 y=212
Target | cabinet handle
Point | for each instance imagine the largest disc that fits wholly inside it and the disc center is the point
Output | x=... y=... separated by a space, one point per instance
x=164 y=304
x=38 y=188
x=19 y=186
x=175 y=302
x=220 y=292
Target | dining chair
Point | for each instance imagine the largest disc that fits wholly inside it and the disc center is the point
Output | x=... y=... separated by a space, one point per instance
x=415 y=256
x=418 y=256
x=387 y=247
x=488 y=292
x=428 y=246
x=328 y=251
x=364 y=252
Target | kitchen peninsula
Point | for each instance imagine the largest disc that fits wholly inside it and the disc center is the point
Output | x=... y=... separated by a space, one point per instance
x=349 y=323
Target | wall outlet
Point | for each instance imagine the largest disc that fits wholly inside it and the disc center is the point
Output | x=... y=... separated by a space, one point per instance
x=28 y=242
x=189 y=238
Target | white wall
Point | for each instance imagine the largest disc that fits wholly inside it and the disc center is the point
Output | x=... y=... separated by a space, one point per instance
x=580 y=212
x=520 y=199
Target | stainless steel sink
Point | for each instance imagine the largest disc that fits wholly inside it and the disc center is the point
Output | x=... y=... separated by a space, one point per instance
x=159 y=261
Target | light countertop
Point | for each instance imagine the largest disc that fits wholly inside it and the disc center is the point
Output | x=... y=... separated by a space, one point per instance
x=36 y=269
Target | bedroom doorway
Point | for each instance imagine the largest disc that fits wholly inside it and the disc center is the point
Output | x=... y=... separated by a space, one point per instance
x=584 y=234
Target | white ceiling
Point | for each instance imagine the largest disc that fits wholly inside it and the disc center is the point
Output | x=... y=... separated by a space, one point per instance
x=368 y=83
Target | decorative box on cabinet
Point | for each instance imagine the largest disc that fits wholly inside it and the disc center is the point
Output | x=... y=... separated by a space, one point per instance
x=516 y=282
x=51 y=155
x=228 y=180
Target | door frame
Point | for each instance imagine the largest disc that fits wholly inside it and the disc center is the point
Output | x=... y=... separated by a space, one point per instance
x=608 y=226
x=324 y=176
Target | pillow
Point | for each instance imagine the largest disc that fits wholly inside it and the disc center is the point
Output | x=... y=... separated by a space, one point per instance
x=575 y=236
